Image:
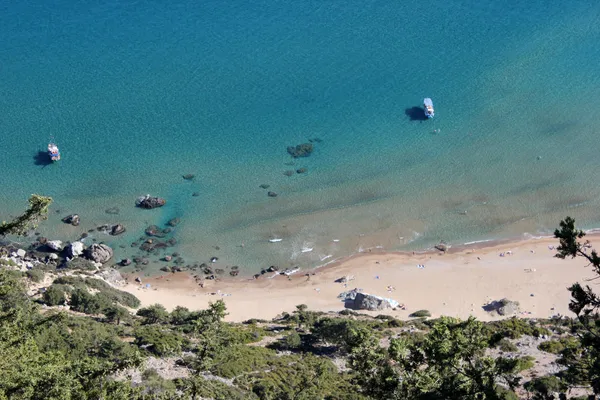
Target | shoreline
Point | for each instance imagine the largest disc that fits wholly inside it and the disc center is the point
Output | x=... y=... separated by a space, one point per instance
x=526 y=272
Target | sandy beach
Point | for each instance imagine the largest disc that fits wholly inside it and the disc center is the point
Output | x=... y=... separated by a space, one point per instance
x=458 y=283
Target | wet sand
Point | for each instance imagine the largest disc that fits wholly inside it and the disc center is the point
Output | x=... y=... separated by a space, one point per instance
x=457 y=283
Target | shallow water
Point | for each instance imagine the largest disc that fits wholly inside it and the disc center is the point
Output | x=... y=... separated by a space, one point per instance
x=138 y=94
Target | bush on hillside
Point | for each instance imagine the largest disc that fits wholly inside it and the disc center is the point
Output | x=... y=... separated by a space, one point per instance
x=35 y=275
x=54 y=295
x=420 y=314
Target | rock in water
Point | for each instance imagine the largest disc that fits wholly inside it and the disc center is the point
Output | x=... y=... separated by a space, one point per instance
x=272 y=194
x=264 y=186
x=117 y=229
x=174 y=222
x=301 y=170
x=150 y=202
x=301 y=150
x=75 y=249
x=442 y=247
x=99 y=253
x=55 y=245
x=188 y=177
x=72 y=219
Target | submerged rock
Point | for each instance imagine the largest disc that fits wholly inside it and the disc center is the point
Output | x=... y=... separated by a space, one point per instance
x=112 y=210
x=117 y=229
x=72 y=219
x=301 y=170
x=301 y=150
x=174 y=222
x=288 y=173
x=272 y=194
x=189 y=177
x=150 y=202
x=264 y=186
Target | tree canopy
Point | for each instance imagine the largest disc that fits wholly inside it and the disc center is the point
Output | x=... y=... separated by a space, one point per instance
x=37 y=211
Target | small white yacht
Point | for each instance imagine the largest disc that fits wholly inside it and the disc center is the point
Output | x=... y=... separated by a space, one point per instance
x=53 y=152
x=428 y=105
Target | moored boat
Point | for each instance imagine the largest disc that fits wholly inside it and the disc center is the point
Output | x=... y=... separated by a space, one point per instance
x=53 y=152
x=428 y=105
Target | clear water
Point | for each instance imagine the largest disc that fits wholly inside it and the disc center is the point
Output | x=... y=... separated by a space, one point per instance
x=136 y=94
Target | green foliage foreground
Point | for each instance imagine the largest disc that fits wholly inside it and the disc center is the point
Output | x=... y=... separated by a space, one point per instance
x=46 y=354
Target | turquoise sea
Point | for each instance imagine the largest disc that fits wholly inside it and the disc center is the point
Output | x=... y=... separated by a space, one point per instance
x=137 y=94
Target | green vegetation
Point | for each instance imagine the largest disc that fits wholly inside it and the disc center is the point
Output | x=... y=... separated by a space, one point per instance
x=37 y=210
x=306 y=355
x=420 y=314
x=35 y=275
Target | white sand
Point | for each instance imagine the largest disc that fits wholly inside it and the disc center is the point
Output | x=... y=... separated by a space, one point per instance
x=450 y=284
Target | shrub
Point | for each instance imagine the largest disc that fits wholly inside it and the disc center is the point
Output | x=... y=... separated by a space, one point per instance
x=111 y=294
x=525 y=363
x=85 y=302
x=292 y=341
x=551 y=346
x=506 y=345
x=154 y=314
x=545 y=385
x=159 y=341
x=54 y=295
x=35 y=275
x=420 y=314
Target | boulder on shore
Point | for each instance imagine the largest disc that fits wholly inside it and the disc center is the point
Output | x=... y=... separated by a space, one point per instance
x=301 y=150
x=75 y=249
x=150 y=202
x=55 y=245
x=503 y=307
x=357 y=300
x=99 y=253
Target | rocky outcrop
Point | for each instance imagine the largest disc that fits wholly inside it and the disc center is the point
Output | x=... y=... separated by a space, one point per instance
x=150 y=202
x=357 y=300
x=370 y=302
x=75 y=249
x=442 y=247
x=113 y=277
x=99 y=253
x=72 y=219
x=301 y=150
x=117 y=229
x=503 y=307
x=55 y=245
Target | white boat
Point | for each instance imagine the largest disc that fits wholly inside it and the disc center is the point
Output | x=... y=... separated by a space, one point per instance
x=428 y=105
x=53 y=152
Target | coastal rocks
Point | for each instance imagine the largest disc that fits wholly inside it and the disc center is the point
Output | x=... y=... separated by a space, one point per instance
x=55 y=245
x=75 y=249
x=155 y=231
x=72 y=219
x=21 y=253
x=150 y=202
x=125 y=262
x=442 y=247
x=370 y=302
x=174 y=222
x=188 y=177
x=272 y=194
x=502 y=307
x=117 y=229
x=113 y=277
x=357 y=300
x=99 y=253
x=301 y=150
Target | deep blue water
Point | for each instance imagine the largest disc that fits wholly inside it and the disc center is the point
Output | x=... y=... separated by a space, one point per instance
x=136 y=94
